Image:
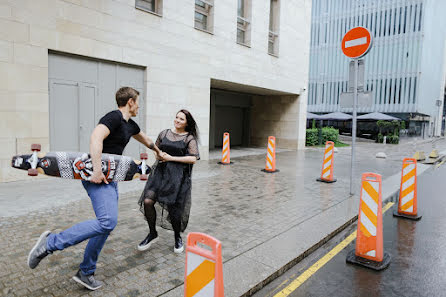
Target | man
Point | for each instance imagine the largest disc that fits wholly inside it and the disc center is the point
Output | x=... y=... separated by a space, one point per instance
x=111 y=136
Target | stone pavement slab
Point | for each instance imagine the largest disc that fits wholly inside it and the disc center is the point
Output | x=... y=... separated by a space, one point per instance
x=264 y=222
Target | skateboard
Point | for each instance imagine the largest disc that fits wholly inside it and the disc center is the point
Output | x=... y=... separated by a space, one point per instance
x=77 y=165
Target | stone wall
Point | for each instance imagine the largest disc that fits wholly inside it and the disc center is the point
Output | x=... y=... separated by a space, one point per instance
x=180 y=60
x=277 y=116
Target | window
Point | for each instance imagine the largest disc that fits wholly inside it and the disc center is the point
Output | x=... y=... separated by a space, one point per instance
x=204 y=15
x=153 y=6
x=243 y=22
x=273 y=36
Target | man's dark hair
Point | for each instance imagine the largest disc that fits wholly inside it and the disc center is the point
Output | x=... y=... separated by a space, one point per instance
x=124 y=94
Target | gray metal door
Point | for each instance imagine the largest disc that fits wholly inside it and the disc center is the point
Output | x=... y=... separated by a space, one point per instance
x=229 y=119
x=81 y=91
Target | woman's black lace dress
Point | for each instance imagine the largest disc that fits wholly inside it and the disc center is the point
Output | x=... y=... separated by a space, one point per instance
x=170 y=182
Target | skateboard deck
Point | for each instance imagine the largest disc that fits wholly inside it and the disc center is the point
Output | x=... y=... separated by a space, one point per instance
x=76 y=165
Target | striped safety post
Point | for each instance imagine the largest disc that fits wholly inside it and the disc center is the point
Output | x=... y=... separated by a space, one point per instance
x=270 y=166
x=369 y=241
x=407 y=204
x=226 y=151
x=327 y=164
x=203 y=275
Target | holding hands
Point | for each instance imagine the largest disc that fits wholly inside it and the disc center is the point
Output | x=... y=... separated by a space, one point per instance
x=163 y=156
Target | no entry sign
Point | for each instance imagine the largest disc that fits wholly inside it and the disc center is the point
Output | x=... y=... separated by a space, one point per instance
x=356 y=42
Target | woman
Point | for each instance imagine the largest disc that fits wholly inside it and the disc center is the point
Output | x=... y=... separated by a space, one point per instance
x=170 y=181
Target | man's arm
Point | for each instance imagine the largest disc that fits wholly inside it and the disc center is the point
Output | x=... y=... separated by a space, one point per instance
x=144 y=139
x=96 y=143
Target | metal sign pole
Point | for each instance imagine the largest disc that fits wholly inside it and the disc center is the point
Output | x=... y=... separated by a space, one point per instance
x=355 y=101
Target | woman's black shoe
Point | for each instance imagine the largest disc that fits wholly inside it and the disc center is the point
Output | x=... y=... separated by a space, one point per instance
x=147 y=242
x=179 y=246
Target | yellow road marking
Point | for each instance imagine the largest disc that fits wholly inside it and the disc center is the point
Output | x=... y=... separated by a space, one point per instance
x=321 y=262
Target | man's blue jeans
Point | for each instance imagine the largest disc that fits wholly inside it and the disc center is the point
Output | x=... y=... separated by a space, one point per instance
x=104 y=199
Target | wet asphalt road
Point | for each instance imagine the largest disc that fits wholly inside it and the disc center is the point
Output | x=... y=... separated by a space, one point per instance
x=417 y=249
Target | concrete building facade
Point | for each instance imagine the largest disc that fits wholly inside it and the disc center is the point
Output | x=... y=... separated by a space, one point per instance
x=405 y=68
x=62 y=60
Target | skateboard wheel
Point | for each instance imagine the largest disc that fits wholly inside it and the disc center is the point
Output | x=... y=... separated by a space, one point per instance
x=143 y=156
x=32 y=172
x=143 y=177
x=36 y=147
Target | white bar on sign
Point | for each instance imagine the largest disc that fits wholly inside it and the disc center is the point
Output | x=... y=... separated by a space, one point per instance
x=355 y=42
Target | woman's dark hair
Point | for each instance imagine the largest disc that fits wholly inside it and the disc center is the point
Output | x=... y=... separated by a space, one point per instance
x=191 y=126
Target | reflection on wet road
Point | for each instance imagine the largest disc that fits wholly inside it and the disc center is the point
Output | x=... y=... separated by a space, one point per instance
x=417 y=249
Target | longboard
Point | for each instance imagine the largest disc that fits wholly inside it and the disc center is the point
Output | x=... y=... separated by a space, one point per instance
x=77 y=165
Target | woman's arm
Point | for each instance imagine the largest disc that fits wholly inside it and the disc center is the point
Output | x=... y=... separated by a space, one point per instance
x=186 y=159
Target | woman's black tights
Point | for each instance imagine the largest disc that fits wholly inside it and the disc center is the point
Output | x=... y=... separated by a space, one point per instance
x=150 y=213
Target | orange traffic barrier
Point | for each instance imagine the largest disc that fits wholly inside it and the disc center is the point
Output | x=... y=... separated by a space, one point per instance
x=226 y=151
x=327 y=164
x=369 y=241
x=407 y=204
x=203 y=275
x=270 y=166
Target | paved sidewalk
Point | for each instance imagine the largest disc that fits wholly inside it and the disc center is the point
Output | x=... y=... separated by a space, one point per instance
x=265 y=222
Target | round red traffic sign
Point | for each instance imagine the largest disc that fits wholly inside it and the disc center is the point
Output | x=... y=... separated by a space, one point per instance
x=356 y=42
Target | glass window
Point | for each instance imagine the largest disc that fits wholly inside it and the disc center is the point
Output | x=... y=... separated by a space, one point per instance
x=243 y=22
x=154 y=6
x=200 y=21
x=273 y=35
x=203 y=15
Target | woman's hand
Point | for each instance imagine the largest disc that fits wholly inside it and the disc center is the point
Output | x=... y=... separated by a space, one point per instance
x=159 y=156
x=166 y=157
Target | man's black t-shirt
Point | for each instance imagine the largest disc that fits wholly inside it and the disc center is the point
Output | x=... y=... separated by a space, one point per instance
x=120 y=132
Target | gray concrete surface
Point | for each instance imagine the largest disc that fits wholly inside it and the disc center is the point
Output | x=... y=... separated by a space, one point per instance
x=415 y=247
x=264 y=221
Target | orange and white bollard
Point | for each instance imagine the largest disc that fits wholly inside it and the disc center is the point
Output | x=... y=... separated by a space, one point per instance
x=407 y=204
x=327 y=164
x=369 y=241
x=270 y=166
x=203 y=275
x=226 y=151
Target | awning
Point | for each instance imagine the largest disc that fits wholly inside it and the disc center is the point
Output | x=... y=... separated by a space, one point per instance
x=377 y=116
x=311 y=116
x=336 y=116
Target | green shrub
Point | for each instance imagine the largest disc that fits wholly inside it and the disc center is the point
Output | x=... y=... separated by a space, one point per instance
x=311 y=137
x=380 y=138
x=329 y=134
x=403 y=125
x=393 y=139
x=396 y=128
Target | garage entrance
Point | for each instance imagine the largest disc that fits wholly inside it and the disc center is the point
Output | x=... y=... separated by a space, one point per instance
x=230 y=112
x=81 y=91
x=251 y=114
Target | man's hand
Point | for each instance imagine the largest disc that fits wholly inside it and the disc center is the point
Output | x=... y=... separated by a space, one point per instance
x=98 y=177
